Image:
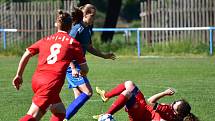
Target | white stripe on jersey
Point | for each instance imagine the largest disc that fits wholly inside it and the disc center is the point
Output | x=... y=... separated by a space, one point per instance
x=56 y=37
x=63 y=38
x=71 y=41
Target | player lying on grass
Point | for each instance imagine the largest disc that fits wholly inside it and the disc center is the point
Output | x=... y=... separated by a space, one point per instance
x=139 y=110
x=55 y=52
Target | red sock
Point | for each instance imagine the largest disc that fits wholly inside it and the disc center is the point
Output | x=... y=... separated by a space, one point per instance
x=118 y=104
x=27 y=118
x=115 y=91
x=57 y=117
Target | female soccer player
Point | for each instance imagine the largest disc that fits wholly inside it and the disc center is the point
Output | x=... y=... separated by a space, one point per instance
x=138 y=110
x=55 y=54
x=82 y=32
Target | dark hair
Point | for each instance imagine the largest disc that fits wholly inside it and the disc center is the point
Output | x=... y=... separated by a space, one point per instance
x=191 y=117
x=64 y=20
x=77 y=15
x=184 y=113
x=86 y=9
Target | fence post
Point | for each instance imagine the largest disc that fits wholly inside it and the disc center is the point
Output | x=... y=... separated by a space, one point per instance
x=211 y=41
x=138 y=43
x=4 y=39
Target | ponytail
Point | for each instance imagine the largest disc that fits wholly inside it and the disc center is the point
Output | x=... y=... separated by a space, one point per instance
x=191 y=117
x=184 y=112
x=86 y=9
x=64 y=20
x=77 y=15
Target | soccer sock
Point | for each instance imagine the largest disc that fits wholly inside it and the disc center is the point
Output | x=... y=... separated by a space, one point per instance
x=115 y=91
x=118 y=104
x=76 y=105
x=27 y=118
x=57 y=117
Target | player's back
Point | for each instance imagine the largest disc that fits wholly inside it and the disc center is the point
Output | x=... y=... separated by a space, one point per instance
x=56 y=52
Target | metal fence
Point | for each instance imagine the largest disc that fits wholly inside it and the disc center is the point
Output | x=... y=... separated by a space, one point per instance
x=177 y=13
x=138 y=30
x=34 y=20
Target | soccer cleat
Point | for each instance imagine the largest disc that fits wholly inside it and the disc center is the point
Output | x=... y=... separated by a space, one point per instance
x=96 y=117
x=102 y=94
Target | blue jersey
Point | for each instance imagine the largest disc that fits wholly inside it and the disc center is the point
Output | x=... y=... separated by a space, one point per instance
x=82 y=34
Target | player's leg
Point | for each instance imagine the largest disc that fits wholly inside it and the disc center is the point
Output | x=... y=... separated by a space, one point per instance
x=77 y=92
x=86 y=88
x=73 y=108
x=128 y=85
x=27 y=118
x=33 y=114
x=119 y=102
x=58 y=112
x=125 y=92
x=136 y=105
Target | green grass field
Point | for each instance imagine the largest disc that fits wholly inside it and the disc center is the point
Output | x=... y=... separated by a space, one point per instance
x=193 y=77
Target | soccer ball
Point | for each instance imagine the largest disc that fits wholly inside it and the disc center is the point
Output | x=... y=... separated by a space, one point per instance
x=106 y=117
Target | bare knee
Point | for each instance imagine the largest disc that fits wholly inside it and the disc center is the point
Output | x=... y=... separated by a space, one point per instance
x=129 y=85
x=89 y=93
x=86 y=88
x=127 y=94
x=36 y=112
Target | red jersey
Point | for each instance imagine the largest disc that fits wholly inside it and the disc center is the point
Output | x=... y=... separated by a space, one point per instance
x=141 y=111
x=165 y=111
x=55 y=54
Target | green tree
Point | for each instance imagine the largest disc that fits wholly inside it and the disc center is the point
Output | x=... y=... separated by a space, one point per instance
x=111 y=19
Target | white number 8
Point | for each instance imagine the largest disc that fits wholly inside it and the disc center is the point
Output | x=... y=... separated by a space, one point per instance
x=55 y=49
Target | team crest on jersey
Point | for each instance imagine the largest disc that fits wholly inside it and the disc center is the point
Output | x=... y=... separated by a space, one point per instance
x=80 y=29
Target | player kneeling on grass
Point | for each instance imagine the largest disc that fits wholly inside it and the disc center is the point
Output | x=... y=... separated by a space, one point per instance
x=55 y=52
x=138 y=110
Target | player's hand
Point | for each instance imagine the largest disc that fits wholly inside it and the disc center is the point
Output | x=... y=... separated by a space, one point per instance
x=17 y=82
x=110 y=56
x=169 y=91
x=75 y=73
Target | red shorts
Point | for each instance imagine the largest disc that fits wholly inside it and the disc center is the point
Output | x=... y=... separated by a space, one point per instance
x=46 y=89
x=140 y=111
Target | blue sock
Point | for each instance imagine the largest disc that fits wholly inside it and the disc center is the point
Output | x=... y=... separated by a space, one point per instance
x=76 y=105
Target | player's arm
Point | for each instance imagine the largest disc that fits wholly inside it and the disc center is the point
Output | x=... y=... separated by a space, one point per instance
x=98 y=53
x=153 y=99
x=17 y=81
x=80 y=58
x=74 y=71
x=84 y=69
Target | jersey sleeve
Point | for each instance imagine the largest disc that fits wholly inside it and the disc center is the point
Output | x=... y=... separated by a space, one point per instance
x=75 y=31
x=34 y=48
x=165 y=111
x=162 y=108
